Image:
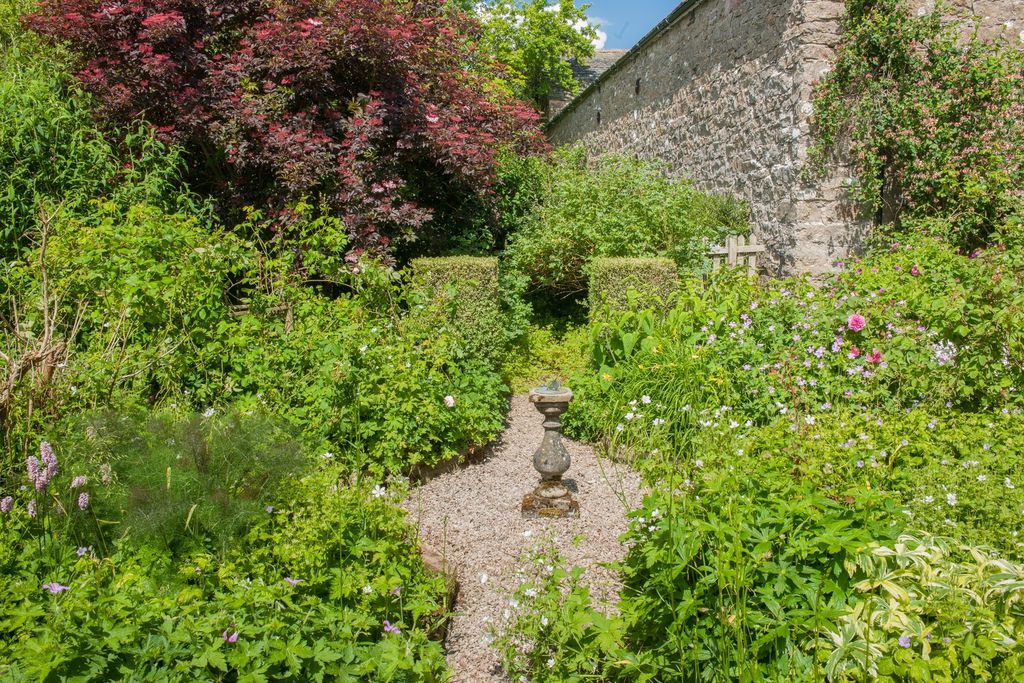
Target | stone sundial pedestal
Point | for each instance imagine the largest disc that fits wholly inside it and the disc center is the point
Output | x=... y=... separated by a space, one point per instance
x=551 y=498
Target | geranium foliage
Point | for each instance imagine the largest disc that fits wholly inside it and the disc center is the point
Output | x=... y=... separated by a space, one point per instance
x=376 y=110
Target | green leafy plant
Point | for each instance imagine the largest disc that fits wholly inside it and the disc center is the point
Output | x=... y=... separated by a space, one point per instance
x=327 y=585
x=614 y=207
x=176 y=480
x=620 y=283
x=931 y=116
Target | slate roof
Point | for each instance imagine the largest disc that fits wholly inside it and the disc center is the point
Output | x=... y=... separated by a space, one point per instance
x=586 y=74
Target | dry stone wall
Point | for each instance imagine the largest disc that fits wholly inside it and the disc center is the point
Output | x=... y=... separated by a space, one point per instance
x=723 y=96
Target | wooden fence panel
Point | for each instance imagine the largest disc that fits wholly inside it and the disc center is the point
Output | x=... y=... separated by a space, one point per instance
x=738 y=251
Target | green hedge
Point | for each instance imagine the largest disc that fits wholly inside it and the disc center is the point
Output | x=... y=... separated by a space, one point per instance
x=465 y=289
x=653 y=279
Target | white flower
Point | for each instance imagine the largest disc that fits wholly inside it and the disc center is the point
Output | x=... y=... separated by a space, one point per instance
x=1009 y=484
x=327 y=456
x=928 y=500
x=367 y=590
x=630 y=415
x=551 y=662
x=619 y=427
x=645 y=399
x=950 y=499
x=982 y=477
x=543 y=621
x=449 y=401
x=698 y=462
x=809 y=419
x=362 y=349
x=379 y=491
x=209 y=412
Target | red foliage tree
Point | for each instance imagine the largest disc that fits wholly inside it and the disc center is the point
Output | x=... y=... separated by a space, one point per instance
x=367 y=107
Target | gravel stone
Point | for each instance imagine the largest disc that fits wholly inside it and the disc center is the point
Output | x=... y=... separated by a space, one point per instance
x=471 y=517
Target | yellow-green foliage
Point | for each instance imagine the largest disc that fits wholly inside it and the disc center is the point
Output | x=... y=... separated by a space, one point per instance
x=464 y=290
x=653 y=279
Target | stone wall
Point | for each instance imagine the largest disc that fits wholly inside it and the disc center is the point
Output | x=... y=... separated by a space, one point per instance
x=722 y=96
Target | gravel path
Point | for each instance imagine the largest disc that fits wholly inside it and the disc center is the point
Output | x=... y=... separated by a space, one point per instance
x=471 y=517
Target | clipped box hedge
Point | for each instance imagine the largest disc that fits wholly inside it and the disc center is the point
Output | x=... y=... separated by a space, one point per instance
x=465 y=290
x=653 y=279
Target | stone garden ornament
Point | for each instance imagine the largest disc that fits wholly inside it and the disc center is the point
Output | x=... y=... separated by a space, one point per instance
x=551 y=498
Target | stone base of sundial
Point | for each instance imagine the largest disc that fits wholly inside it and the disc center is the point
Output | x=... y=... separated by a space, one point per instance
x=550 y=499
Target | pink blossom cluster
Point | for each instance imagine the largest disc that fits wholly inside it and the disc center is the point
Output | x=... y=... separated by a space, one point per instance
x=40 y=474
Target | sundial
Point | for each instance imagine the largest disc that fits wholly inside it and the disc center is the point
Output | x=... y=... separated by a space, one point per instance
x=551 y=498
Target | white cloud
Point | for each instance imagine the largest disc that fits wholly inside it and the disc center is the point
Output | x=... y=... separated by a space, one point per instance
x=596 y=22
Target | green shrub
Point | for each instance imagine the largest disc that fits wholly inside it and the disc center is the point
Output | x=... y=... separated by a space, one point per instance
x=463 y=293
x=327 y=585
x=53 y=154
x=654 y=281
x=181 y=480
x=154 y=293
x=613 y=207
x=762 y=577
x=880 y=406
x=909 y=98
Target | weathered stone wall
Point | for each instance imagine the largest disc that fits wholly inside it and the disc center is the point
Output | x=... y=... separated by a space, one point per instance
x=722 y=96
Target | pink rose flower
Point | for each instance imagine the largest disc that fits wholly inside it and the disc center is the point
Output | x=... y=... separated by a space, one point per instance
x=856 y=322
x=875 y=356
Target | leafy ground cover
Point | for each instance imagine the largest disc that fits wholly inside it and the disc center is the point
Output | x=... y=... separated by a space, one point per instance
x=836 y=472
x=211 y=394
x=835 y=466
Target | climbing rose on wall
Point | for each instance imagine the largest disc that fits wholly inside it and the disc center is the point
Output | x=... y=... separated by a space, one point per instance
x=366 y=107
x=930 y=115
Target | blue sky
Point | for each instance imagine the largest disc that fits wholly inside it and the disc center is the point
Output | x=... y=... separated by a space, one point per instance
x=627 y=21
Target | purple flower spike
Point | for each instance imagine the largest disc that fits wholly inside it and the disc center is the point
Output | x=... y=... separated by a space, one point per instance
x=291 y=581
x=49 y=459
x=83 y=501
x=6 y=504
x=55 y=587
x=32 y=466
x=230 y=637
x=388 y=628
x=31 y=509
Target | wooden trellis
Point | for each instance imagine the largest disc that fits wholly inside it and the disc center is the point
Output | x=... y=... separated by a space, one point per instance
x=738 y=251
